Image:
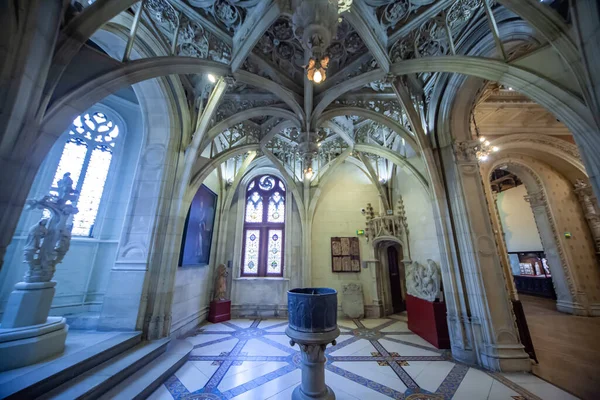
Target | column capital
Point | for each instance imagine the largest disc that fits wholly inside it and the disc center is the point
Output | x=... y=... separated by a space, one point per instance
x=537 y=199
x=466 y=151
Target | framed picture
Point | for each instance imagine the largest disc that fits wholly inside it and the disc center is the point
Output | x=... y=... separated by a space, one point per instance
x=198 y=230
x=345 y=254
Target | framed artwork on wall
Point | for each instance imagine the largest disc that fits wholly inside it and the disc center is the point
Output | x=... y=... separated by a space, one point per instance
x=345 y=254
x=198 y=230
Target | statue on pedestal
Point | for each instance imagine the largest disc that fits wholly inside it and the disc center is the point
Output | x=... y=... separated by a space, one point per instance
x=221 y=283
x=423 y=281
x=39 y=335
x=49 y=240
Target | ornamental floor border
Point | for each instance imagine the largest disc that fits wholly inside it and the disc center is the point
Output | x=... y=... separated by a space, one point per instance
x=373 y=359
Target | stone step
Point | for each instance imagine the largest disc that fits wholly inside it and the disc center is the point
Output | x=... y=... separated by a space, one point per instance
x=52 y=374
x=142 y=383
x=95 y=382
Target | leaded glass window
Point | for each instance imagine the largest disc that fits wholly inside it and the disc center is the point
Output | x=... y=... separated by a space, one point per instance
x=87 y=155
x=264 y=226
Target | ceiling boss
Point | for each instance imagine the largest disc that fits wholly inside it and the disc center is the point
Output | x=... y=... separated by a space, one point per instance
x=315 y=24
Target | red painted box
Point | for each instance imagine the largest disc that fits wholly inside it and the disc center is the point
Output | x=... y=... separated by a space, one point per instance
x=219 y=311
x=428 y=320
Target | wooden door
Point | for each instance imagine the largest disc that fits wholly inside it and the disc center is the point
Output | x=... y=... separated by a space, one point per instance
x=395 y=280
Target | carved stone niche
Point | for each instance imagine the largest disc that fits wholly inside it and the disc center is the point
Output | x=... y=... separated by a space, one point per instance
x=352 y=300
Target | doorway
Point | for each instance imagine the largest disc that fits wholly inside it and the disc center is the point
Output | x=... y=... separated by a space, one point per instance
x=396 y=279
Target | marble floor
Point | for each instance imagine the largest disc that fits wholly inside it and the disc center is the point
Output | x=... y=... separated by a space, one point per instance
x=373 y=359
x=567 y=347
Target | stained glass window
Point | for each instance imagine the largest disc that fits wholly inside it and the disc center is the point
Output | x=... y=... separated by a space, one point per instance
x=274 y=251
x=254 y=208
x=264 y=223
x=252 y=251
x=276 y=211
x=87 y=155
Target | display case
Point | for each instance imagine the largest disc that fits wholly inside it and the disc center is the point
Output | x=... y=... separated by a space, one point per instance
x=532 y=274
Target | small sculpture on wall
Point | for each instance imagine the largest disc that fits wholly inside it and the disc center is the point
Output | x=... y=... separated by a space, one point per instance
x=221 y=283
x=422 y=281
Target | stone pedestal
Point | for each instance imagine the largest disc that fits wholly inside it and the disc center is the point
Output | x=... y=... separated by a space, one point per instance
x=312 y=325
x=428 y=320
x=28 y=304
x=27 y=334
x=28 y=345
x=219 y=311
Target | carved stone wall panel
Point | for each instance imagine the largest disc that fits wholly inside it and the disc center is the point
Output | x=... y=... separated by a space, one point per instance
x=352 y=300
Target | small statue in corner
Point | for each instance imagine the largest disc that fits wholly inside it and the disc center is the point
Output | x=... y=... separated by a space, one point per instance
x=221 y=283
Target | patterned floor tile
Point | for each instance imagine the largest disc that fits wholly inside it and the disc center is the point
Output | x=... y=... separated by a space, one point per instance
x=383 y=375
x=215 y=349
x=429 y=374
x=373 y=360
x=191 y=377
x=406 y=349
x=414 y=339
x=248 y=371
x=361 y=347
x=268 y=323
x=256 y=347
x=205 y=338
x=273 y=387
x=399 y=326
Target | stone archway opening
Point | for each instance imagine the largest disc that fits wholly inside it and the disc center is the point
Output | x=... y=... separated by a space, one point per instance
x=542 y=274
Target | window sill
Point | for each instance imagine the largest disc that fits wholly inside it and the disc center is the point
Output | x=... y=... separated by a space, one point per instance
x=260 y=278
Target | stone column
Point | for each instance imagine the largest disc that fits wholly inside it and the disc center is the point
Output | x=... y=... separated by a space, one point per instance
x=591 y=211
x=563 y=282
x=30 y=30
x=492 y=320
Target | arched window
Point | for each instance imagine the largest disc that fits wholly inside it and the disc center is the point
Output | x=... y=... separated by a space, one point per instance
x=87 y=155
x=264 y=226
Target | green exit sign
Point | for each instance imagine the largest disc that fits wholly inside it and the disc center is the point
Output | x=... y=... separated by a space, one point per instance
x=360 y=232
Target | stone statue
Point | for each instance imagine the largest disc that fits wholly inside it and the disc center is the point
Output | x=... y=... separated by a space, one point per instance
x=65 y=188
x=64 y=243
x=221 y=283
x=422 y=281
x=33 y=245
x=49 y=240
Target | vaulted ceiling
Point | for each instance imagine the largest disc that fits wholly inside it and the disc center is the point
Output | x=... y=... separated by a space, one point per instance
x=357 y=103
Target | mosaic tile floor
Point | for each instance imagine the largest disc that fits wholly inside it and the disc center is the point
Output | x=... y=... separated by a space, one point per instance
x=373 y=359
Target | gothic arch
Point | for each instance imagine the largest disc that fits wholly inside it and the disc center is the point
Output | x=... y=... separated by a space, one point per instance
x=571 y=297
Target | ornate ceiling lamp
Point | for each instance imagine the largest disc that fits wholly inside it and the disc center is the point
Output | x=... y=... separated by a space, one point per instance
x=315 y=24
x=484 y=148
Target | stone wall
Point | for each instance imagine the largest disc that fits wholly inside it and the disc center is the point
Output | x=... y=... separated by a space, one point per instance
x=419 y=214
x=338 y=213
x=193 y=284
x=518 y=223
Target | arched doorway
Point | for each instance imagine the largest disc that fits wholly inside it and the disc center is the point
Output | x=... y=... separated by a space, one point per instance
x=552 y=301
x=392 y=276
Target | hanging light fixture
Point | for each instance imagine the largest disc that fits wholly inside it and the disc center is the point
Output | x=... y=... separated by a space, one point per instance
x=316 y=70
x=315 y=25
x=484 y=147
